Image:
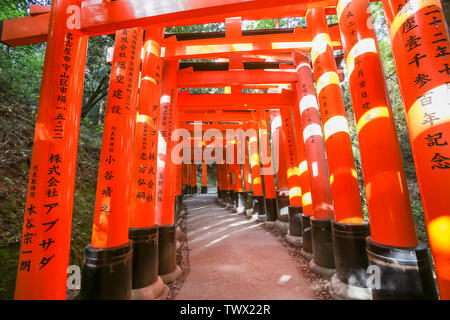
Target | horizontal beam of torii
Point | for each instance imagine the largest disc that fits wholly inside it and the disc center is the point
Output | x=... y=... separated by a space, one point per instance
x=235 y=42
x=238 y=101
x=22 y=31
x=216 y=116
x=203 y=79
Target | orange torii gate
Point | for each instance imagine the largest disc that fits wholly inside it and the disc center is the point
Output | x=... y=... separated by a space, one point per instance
x=46 y=232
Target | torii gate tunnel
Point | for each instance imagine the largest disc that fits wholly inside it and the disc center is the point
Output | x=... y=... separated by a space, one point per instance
x=278 y=83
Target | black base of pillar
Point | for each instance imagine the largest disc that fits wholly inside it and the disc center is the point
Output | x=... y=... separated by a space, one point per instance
x=204 y=189
x=219 y=195
x=241 y=200
x=180 y=202
x=107 y=273
x=167 y=249
x=259 y=207
x=195 y=190
x=271 y=206
x=306 y=234
x=295 y=221
x=225 y=196
x=404 y=273
x=322 y=243
x=145 y=256
x=185 y=189
x=282 y=204
x=235 y=199
x=350 y=256
x=248 y=200
x=231 y=198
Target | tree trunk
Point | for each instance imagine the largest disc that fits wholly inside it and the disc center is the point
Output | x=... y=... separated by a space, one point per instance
x=101 y=111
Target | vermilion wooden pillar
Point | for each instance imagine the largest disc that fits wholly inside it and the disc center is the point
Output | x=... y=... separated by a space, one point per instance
x=344 y=181
x=317 y=166
x=421 y=49
x=280 y=165
x=232 y=177
x=267 y=168
x=45 y=245
x=302 y=163
x=259 y=207
x=277 y=135
x=113 y=197
x=165 y=196
x=240 y=197
x=194 y=178
x=246 y=168
x=143 y=230
x=204 y=178
x=295 y=192
x=304 y=181
x=146 y=143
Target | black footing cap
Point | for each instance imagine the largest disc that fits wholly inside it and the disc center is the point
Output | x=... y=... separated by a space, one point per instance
x=167 y=249
x=350 y=257
x=259 y=205
x=145 y=256
x=322 y=242
x=295 y=221
x=404 y=273
x=306 y=233
x=248 y=200
x=107 y=273
x=271 y=206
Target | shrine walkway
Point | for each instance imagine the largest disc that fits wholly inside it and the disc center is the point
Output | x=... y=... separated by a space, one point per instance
x=232 y=257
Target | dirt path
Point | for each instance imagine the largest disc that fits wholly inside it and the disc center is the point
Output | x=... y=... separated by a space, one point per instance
x=231 y=257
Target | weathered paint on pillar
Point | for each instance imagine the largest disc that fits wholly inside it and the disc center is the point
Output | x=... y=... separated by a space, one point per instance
x=265 y=152
x=313 y=138
x=45 y=245
x=421 y=50
x=343 y=178
x=146 y=144
x=113 y=197
x=165 y=194
x=290 y=156
x=391 y=220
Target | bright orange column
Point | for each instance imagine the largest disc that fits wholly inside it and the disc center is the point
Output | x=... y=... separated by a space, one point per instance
x=237 y=170
x=391 y=220
x=247 y=169
x=302 y=163
x=290 y=156
x=254 y=162
x=193 y=176
x=421 y=50
x=113 y=198
x=343 y=178
x=313 y=138
x=165 y=197
x=204 y=174
x=45 y=245
x=146 y=144
x=277 y=135
x=265 y=152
